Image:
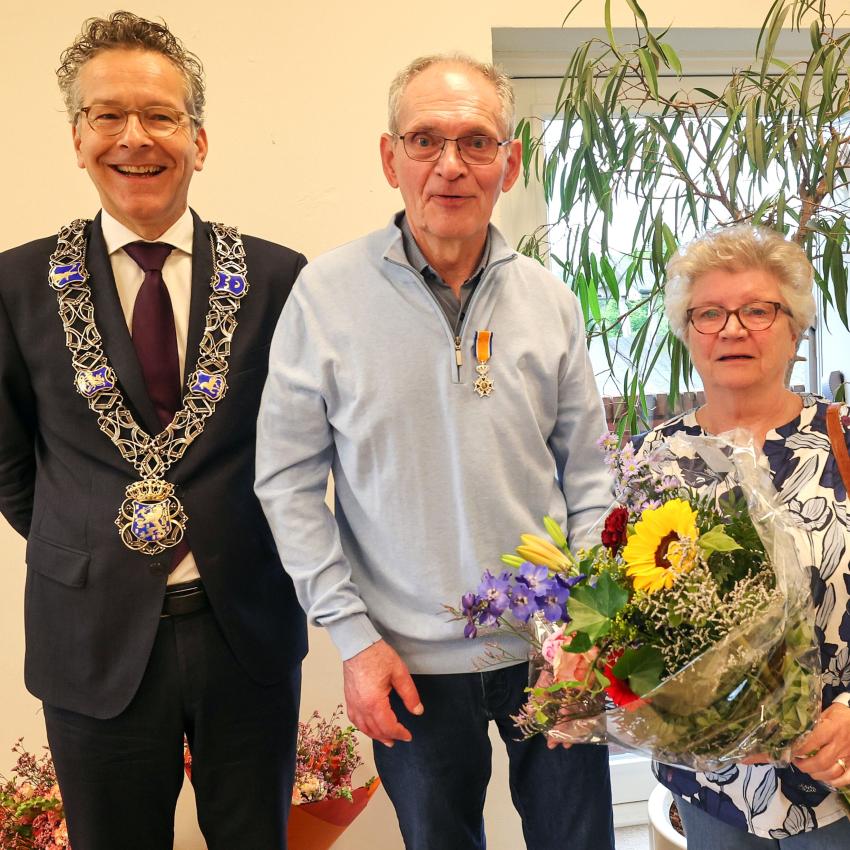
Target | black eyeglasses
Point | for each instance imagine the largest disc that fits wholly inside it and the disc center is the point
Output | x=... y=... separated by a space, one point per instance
x=476 y=149
x=755 y=316
x=157 y=121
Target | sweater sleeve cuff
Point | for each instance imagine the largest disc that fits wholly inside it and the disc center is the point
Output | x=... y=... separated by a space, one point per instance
x=842 y=699
x=353 y=635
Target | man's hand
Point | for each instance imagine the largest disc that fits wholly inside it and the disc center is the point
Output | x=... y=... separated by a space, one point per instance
x=825 y=752
x=368 y=678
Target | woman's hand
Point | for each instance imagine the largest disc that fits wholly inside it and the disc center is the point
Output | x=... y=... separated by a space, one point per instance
x=825 y=752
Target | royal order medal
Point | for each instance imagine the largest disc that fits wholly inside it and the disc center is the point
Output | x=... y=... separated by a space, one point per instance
x=483 y=384
x=151 y=518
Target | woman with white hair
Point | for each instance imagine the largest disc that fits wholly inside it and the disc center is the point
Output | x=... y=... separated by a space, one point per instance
x=739 y=298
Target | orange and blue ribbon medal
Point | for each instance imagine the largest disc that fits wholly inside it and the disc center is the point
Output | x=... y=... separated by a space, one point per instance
x=483 y=352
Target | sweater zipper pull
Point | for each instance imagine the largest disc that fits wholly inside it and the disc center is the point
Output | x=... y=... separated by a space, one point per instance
x=458 y=356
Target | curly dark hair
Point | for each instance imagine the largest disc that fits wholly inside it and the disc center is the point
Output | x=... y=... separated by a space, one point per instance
x=128 y=31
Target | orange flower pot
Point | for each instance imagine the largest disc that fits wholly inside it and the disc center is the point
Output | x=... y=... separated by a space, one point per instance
x=316 y=826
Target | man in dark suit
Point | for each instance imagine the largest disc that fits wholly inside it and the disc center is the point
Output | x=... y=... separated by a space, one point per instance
x=133 y=352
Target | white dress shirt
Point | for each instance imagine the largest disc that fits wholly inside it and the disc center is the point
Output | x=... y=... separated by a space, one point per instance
x=177 y=275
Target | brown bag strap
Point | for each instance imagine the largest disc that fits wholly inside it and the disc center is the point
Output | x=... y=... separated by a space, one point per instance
x=839 y=446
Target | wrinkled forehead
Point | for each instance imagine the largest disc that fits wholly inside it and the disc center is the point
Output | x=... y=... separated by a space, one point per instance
x=451 y=97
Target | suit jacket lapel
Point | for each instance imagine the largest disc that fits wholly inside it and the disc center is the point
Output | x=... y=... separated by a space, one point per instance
x=112 y=326
x=202 y=269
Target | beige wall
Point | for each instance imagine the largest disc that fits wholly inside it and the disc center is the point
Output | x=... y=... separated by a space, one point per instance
x=285 y=81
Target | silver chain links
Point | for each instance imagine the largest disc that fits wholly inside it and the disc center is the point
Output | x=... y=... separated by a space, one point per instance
x=151 y=456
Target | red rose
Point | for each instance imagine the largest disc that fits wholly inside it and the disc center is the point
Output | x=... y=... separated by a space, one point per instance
x=618 y=690
x=614 y=533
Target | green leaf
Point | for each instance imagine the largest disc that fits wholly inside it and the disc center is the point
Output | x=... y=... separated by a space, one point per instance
x=814 y=34
x=647 y=64
x=610 y=278
x=610 y=29
x=717 y=540
x=638 y=13
x=671 y=58
x=641 y=667
x=832 y=157
x=772 y=36
x=805 y=87
x=592 y=609
x=580 y=643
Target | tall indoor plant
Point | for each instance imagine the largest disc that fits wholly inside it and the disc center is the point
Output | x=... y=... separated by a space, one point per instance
x=771 y=146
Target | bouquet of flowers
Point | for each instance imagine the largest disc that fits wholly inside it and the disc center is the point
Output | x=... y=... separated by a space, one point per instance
x=31 y=813
x=324 y=800
x=326 y=758
x=686 y=634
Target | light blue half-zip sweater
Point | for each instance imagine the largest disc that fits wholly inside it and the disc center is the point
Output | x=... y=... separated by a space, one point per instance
x=432 y=482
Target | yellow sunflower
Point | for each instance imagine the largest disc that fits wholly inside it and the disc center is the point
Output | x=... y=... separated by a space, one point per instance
x=662 y=546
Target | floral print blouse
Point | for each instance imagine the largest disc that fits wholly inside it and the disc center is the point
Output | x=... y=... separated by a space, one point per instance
x=777 y=802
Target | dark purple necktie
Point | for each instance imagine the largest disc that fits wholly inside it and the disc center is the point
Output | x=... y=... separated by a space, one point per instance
x=154 y=337
x=155 y=341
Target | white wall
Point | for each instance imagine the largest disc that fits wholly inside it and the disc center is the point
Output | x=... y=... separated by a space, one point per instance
x=284 y=79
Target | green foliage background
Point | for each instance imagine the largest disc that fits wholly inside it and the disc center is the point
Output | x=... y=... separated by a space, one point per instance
x=773 y=124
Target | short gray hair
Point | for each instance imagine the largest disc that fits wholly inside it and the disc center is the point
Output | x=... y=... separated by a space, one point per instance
x=124 y=30
x=499 y=79
x=741 y=247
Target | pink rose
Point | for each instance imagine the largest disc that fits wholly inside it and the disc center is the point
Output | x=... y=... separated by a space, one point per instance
x=572 y=666
x=552 y=645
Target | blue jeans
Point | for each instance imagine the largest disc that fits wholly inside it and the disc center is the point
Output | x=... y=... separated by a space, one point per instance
x=438 y=781
x=705 y=832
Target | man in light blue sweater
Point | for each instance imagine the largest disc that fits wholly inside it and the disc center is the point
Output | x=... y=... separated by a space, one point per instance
x=444 y=380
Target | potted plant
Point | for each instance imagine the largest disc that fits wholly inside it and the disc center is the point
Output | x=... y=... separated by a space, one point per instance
x=771 y=146
x=31 y=812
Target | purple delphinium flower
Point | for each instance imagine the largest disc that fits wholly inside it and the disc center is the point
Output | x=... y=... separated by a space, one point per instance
x=495 y=591
x=534 y=577
x=523 y=602
x=570 y=581
x=553 y=602
x=470 y=605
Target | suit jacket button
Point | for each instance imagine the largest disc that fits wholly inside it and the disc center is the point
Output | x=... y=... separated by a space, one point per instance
x=158 y=568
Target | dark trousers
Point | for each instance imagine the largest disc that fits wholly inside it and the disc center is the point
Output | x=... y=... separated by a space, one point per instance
x=438 y=781
x=120 y=777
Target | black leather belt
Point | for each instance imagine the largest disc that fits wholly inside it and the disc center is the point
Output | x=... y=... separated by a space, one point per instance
x=181 y=599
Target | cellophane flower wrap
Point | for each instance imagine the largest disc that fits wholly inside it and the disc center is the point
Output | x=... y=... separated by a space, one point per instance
x=687 y=632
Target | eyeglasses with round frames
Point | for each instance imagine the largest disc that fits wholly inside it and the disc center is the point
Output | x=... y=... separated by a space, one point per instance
x=157 y=121
x=475 y=149
x=755 y=316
